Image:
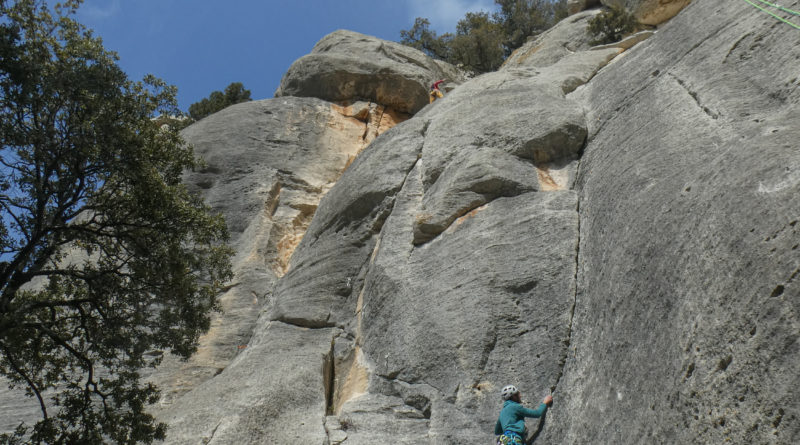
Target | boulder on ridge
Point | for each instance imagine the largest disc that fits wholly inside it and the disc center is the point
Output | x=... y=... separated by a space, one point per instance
x=348 y=66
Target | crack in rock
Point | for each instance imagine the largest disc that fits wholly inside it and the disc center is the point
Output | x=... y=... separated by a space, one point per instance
x=711 y=113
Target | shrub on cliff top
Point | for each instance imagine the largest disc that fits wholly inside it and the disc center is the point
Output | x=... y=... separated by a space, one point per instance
x=234 y=93
x=482 y=41
x=612 y=25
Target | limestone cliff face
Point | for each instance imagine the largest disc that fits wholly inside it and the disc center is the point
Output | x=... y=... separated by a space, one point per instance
x=617 y=227
x=268 y=165
x=686 y=318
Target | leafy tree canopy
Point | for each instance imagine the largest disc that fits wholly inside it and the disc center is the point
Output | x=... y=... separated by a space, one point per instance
x=612 y=25
x=421 y=37
x=521 y=19
x=104 y=255
x=478 y=44
x=218 y=100
x=483 y=41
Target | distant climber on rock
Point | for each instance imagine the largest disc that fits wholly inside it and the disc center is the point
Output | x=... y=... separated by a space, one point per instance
x=510 y=425
x=436 y=93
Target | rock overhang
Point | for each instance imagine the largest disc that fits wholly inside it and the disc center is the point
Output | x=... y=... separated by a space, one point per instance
x=346 y=65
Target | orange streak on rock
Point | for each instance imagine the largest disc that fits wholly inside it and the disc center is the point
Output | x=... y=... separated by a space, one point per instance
x=546 y=182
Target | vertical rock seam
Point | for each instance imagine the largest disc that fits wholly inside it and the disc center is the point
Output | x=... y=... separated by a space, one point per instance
x=356 y=371
x=567 y=341
x=563 y=360
x=329 y=378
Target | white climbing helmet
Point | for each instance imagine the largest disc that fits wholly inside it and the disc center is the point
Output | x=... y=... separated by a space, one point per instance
x=508 y=392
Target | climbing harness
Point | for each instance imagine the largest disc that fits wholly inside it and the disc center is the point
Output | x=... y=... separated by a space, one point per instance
x=509 y=438
x=773 y=14
x=435 y=94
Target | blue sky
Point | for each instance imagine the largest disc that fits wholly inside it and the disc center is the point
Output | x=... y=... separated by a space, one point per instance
x=204 y=45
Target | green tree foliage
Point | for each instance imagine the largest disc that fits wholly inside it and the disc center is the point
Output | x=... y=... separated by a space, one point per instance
x=218 y=100
x=477 y=45
x=560 y=10
x=521 y=19
x=422 y=38
x=104 y=255
x=483 y=41
x=612 y=25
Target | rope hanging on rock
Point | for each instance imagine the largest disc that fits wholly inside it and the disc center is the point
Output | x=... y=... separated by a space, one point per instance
x=779 y=7
x=773 y=14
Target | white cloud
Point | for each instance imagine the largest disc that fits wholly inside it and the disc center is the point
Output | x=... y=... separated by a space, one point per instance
x=100 y=9
x=445 y=14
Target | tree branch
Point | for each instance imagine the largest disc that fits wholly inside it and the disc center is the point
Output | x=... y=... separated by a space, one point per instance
x=30 y=382
x=60 y=341
x=54 y=304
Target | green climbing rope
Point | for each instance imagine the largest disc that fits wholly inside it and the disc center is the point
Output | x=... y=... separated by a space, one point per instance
x=772 y=14
x=779 y=7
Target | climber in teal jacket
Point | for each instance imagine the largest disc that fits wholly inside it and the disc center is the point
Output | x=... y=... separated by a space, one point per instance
x=511 y=423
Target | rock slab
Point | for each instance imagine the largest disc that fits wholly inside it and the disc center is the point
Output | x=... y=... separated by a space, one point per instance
x=686 y=320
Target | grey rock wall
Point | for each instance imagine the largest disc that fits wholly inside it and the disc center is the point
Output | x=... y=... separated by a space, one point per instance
x=565 y=38
x=624 y=235
x=440 y=267
x=616 y=226
x=269 y=163
x=686 y=319
x=685 y=304
x=273 y=392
